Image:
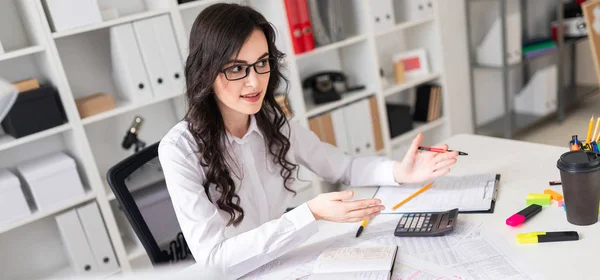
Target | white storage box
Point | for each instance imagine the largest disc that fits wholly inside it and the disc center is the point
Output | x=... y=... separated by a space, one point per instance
x=53 y=180
x=13 y=205
x=69 y=14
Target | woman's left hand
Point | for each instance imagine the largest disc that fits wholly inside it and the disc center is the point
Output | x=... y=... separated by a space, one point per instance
x=420 y=167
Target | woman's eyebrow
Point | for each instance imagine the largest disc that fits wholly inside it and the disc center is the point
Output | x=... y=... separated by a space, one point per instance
x=243 y=61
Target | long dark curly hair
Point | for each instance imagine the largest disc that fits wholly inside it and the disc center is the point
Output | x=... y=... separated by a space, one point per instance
x=217 y=35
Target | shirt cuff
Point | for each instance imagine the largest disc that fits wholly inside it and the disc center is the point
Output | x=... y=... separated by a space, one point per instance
x=301 y=216
x=386 y=173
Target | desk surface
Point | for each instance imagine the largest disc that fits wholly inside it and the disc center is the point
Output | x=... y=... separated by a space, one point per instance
x=525 y=168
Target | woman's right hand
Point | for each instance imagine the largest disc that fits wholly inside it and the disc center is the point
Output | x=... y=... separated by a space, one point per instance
x=333 y=207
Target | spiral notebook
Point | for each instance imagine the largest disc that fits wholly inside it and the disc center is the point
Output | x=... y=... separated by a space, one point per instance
x=470 y=194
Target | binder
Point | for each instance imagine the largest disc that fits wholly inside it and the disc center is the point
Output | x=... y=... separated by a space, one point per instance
x=307 y=33
x=129 y=72
x=319 y=31
x=365 y=131
x=295 y=25
x=169 y=51
x=76 y=244
x=415 y=9
x=342 y=138
x=358 y=123
x=376 y=123
x=148 y=43
x=97 y=236
x=489 y=52
x=383 y=14
x=427 y=8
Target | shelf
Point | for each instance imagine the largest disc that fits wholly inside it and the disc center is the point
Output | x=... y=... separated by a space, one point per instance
x=124 y=107
x=525 y=59
x=574 y=95
x=109 y=23
x=520 y=122
x=7 y=142
x=410 y=83
x=21 y=52
x=197 y=3
x=418 y=128
x=37 y=215
x=332 y=46
x=312 y=109
x=404 y=25
x=63 y=273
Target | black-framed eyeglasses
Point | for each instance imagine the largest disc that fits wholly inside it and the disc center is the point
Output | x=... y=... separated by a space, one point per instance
x=240 y=71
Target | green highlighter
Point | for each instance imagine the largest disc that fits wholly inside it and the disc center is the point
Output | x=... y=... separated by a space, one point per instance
x=538 y=198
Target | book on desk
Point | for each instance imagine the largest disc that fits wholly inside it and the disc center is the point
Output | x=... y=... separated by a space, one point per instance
x=355 y=263
x=470 y=194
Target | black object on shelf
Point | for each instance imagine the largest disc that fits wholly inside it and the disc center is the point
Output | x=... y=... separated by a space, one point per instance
x=131 y=136
x=34 y=111
x=399 y=119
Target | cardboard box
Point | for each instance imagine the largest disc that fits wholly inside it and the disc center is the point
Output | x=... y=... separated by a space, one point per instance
x=25 y=85
x=95 y=104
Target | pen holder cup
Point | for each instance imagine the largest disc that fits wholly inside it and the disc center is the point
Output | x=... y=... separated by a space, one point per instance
x=580 y=176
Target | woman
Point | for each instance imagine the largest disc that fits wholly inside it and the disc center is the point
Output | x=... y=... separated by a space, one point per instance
x=230 y=164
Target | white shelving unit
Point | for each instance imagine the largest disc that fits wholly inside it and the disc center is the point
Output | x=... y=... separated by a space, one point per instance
x=76 y=62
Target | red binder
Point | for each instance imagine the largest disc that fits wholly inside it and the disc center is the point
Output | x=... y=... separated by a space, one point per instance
x=307 y=33
x=291 y=8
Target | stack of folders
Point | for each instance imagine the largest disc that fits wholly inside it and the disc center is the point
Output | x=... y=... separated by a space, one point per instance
x=539 y=47
x=146 y=59
x=354 y=128
x=314 y=23
x=86 y=240
x=428 y=105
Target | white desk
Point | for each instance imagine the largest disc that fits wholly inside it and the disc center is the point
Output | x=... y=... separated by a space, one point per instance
x=524 y=168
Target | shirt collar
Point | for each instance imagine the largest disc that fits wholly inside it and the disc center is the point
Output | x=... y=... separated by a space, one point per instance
x=253 y=127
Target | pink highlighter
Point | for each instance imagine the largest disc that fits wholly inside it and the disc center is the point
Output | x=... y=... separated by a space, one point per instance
x=523 y=215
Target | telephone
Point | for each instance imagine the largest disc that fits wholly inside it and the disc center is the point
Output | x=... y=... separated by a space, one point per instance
x=328 y=86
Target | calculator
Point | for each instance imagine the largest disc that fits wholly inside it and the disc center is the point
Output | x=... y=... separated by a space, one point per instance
x=426 y=223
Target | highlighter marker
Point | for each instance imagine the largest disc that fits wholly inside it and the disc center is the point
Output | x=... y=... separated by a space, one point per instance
x=523 y=215
x=542 y=237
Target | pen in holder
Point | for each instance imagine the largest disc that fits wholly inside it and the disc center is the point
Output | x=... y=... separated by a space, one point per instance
x=131 y=137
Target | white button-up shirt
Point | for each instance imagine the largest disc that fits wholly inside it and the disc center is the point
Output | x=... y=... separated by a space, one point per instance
x=266 y=232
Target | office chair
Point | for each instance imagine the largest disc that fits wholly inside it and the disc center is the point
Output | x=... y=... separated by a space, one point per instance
x=139 y=187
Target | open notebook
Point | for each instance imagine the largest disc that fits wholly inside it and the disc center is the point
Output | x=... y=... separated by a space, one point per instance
x=473 y=193
x=374 y=263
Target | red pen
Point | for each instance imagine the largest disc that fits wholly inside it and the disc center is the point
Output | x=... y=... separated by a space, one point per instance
x=438 y=150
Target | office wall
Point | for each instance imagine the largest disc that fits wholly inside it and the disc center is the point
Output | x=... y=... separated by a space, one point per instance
x=456 y=63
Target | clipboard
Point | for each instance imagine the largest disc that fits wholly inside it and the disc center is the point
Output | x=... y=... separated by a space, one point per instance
x=492 y=204
x=385 y=197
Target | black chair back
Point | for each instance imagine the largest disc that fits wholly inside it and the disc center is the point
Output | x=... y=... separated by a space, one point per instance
x=140 y=189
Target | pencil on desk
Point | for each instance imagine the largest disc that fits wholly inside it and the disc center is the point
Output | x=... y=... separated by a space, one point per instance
x=412 y=196
x=362 y=226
